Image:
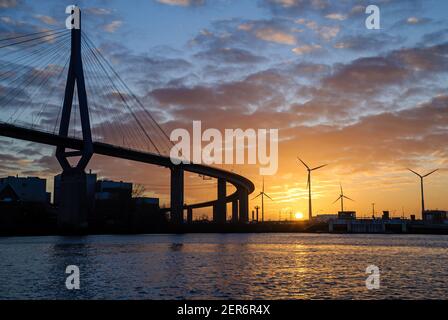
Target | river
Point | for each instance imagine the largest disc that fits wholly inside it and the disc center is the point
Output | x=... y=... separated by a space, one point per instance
x=225 y=266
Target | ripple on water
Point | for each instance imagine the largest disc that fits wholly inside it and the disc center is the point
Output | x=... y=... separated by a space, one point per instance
x=230 y=266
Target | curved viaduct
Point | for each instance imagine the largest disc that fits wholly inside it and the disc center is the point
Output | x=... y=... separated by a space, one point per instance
x=239 y=199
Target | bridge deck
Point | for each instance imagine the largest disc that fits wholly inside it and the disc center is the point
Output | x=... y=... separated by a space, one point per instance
x=240 y=182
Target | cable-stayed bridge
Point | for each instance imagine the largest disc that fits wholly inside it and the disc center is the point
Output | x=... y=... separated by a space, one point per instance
x=58 y=89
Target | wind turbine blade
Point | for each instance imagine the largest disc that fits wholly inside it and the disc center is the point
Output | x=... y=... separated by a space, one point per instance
x=304 y=163
x=342 y=192
x=415 y=172
x=348 y=198
x=430 y=173
x=319 y=167
x=262 y=190
x=337 y=199
x=268 y=196
x=257 y=196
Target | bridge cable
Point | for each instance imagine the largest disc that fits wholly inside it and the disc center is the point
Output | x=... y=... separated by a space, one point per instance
x=45 y=105
x=21 y=58
x=125 y=102
x=107 y=95
x=42 y=84
x=29 y=40
x=23 y=62
x=30 y=34
x=130 y=92
x=19 y=89
x=114 y=89
x=22 y=77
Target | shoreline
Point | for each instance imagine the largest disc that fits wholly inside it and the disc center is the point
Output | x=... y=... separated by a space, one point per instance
x=204 y=228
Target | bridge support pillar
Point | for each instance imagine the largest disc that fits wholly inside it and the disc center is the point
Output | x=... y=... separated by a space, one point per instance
x=177 y=194
x=215 y=213
x=73 y=208
x=220 y=209
x=235 y=211
x=244 y=205
x=189 y=215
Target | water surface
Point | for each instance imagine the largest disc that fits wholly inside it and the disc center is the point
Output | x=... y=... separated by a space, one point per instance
x=225 y=266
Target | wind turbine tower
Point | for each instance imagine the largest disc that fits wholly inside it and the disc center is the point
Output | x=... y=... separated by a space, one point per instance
x=421 y=186
x=262 y=194
x=308 y=185
x=342 y=197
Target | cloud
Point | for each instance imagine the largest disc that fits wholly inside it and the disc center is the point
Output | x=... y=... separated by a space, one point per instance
x=294 y=6
x=148 y=71
x=259 y=90
x=306 y=49
x=429 y=60
x=7 y=20
x=285 y=3
x=411 y=22
x=245 y=26
x=325 y=32
x=416 y=20
x=435 y=37
x=336 y=16
x=98 y=11
x=376 y=42
x=112 y=26
x=409 y=133
x=230 y=55
x=311 y=24
x=5 y=4
x=328 y=33
x=313 y=69
x=46 y=19
x=367 y=75
x=182 y=3
x=277 y=36
x=246 y=34
x=358 y=9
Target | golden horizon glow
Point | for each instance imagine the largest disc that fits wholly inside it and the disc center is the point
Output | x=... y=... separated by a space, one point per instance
x=298 y=215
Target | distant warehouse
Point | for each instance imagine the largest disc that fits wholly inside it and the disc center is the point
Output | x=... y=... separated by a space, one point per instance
x=435 y=216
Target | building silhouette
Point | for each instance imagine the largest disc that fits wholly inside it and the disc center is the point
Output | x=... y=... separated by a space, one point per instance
x=24 y=189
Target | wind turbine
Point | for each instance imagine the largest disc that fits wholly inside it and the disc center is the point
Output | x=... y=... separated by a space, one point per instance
x=262 y=194
x=421 y=186
x=308 y=185
x=341 y=197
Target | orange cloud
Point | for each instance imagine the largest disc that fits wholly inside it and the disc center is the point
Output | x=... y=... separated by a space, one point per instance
x=277 y=36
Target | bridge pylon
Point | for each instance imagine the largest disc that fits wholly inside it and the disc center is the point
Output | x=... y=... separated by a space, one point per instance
x=177 y=194
x=73 y=210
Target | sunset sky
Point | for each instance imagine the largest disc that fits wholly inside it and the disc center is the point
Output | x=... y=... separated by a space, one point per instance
x=369 y=103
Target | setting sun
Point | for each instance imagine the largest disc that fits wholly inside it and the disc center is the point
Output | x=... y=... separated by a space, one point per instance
x=298 y=215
